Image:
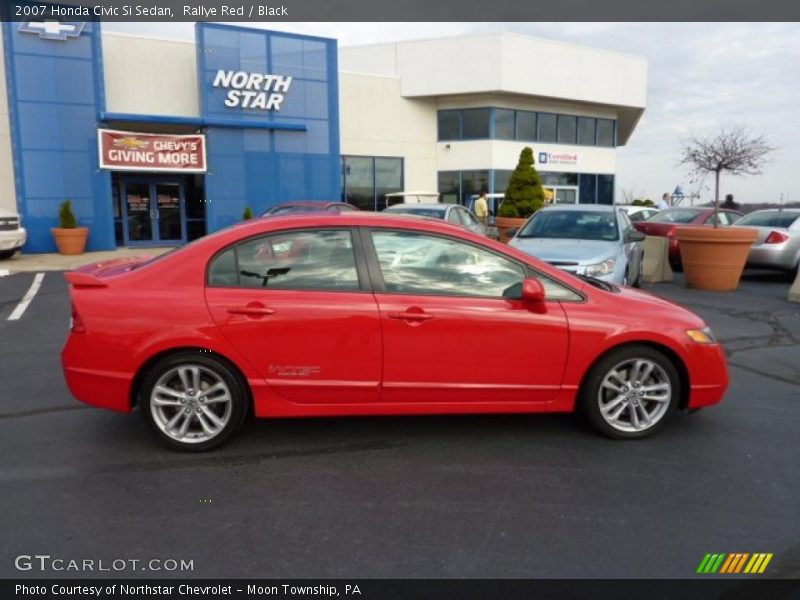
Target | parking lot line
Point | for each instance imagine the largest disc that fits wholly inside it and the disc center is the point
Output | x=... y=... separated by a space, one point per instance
x=26 y=299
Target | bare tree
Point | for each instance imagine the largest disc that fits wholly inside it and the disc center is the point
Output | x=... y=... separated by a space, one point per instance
x=735 y=151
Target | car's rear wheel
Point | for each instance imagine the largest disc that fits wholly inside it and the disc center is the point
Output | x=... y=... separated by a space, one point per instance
x=631 y=392
x=193 y=401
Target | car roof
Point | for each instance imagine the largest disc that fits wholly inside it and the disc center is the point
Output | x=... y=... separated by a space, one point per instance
x=775 y=210
x=582 y=207
x=307 y=203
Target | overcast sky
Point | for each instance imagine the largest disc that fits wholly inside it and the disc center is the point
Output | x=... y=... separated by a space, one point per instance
x=701 y=76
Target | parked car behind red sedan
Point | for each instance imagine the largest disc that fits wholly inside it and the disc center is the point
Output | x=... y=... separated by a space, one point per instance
x=666 y=223
x=370 y=314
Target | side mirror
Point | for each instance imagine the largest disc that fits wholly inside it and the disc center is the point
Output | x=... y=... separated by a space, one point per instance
x=634 y=236
x=532 y=291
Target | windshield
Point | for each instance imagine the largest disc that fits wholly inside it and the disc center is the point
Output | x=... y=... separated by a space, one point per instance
x=679 y=215
x=433 y=213
x=572 y=225
x=769 y=219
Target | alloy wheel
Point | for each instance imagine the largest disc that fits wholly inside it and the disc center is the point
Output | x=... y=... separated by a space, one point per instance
x=634 y=395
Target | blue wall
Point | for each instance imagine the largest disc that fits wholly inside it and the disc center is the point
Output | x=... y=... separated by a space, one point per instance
x=251 y=163
x=56 y=93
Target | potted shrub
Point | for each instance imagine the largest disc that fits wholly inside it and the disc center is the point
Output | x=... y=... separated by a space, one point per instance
x=69 y=238
x=714 y=257
x=524 y=196
x=247 y=214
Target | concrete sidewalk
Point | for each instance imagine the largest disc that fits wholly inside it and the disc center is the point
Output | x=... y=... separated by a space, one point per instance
x=20 y=263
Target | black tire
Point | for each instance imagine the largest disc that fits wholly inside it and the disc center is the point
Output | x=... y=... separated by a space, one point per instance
x=590 y=396
x=637 y=283
x=212 y=371
x=4 y=254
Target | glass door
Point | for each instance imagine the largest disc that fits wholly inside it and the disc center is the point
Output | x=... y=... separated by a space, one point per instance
x=565 y=195
x=154 y=212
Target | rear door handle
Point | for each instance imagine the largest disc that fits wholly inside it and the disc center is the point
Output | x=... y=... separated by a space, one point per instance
x=409 y=316
x=251 y=310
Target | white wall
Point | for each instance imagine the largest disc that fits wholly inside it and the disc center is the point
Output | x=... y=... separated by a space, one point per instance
x=150 y=76
x=8 y=196
x=375 y=120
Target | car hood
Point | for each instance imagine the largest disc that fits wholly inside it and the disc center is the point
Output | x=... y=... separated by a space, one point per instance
x=115 y=266
x=584 y=252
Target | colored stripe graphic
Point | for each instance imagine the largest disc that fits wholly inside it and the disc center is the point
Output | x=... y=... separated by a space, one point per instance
x=734 y=563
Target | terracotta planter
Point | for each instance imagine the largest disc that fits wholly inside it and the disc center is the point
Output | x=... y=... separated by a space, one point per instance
x=503 y=224
x=713 y=259
x=70 y=241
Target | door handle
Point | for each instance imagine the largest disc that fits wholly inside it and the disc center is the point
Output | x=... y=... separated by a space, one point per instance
x=251 y=310
x=409 y=316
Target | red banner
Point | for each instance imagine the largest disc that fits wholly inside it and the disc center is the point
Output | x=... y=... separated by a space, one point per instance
x=127 y=151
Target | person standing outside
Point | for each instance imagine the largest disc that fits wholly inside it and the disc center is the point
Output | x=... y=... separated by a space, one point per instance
x=482 y=209
x=664 y=202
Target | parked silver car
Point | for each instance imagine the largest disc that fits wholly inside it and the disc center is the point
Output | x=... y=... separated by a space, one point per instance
x=587 y=239
x=778 y=242
x=453 y=213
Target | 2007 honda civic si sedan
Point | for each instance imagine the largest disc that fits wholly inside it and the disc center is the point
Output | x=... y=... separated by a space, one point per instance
x=368 y=314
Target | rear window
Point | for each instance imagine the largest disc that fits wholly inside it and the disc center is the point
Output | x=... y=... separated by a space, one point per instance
x=680 y=215
x=769 y=219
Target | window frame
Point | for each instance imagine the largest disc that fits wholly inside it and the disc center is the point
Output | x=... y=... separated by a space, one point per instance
x=362 y=271
x=379 y=285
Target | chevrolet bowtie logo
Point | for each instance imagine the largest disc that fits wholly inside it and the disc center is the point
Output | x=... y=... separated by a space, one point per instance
x=130 y=143
x=53 y=30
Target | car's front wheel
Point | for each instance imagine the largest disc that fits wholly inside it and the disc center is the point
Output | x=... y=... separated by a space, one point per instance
x=193 y=401
x=631 y=392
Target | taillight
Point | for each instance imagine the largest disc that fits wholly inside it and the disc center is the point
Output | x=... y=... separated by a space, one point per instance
x=671 y=232
x=76 y=324
x=776 y=237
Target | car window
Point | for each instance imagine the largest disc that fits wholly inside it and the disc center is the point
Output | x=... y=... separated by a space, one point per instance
x=626 y=222
x=572 y=224
x=722 y=219
x=340 y=207
x=432 y=213
x=770 y=219
x=298 y=260
x=416 y=263
x=675 y=215
x=454 y=217
x=469 y=218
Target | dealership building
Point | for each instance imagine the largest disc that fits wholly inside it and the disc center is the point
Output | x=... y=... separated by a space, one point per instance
x=157 y=142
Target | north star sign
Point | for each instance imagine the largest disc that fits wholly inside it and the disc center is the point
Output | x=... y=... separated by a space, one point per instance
x=252 y=90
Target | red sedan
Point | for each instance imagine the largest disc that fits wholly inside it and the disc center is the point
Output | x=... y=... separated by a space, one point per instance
x=370 y=314
x=666 y=223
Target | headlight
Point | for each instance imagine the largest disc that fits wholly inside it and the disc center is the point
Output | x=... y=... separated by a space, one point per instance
x=604 y=268
x=702 y=336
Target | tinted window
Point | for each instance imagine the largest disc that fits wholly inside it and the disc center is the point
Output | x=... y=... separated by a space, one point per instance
x=503 y=124
x=605 y=132
x=769 y=219
x=475 y=123
x=449 y=124
x=605 y=189
x=547 y=127
x=526 y=125
x=572 y=224
x=414 y=263
x=567 y=129
x=586 y=129
x=300 y=260
x=677 y=215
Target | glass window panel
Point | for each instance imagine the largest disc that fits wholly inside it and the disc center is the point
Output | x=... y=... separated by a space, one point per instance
x=301 y=260
x=223 y=272
x=605 y=132
x=586 y=131
x=475 y=123
x=605 y=189
x=449 y=125
x=501 y=179
x=414 y=263
x=359 y=182
x=588 y=191
x=503 y=124
x=388 y=177
x=473 y=183
x=449 y=186
x=567 y=129
x=546 y=127
x=554 y=178
x=526 y=125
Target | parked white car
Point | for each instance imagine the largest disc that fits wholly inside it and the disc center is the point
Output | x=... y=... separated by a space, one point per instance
x=12 y=233
x=638 y=213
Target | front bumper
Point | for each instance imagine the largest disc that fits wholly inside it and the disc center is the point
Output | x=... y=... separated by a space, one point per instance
x=14 y=239
x=708 y=374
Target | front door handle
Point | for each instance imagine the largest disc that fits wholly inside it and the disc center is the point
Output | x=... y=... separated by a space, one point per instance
x=409 y=316
x=251 y=310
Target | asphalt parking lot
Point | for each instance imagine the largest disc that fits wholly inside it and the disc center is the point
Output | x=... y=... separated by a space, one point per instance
x=482 y=496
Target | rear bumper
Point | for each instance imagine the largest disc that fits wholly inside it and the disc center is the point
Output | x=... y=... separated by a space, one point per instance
x=13 y=240
x=91 y=385
x=778 y=256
